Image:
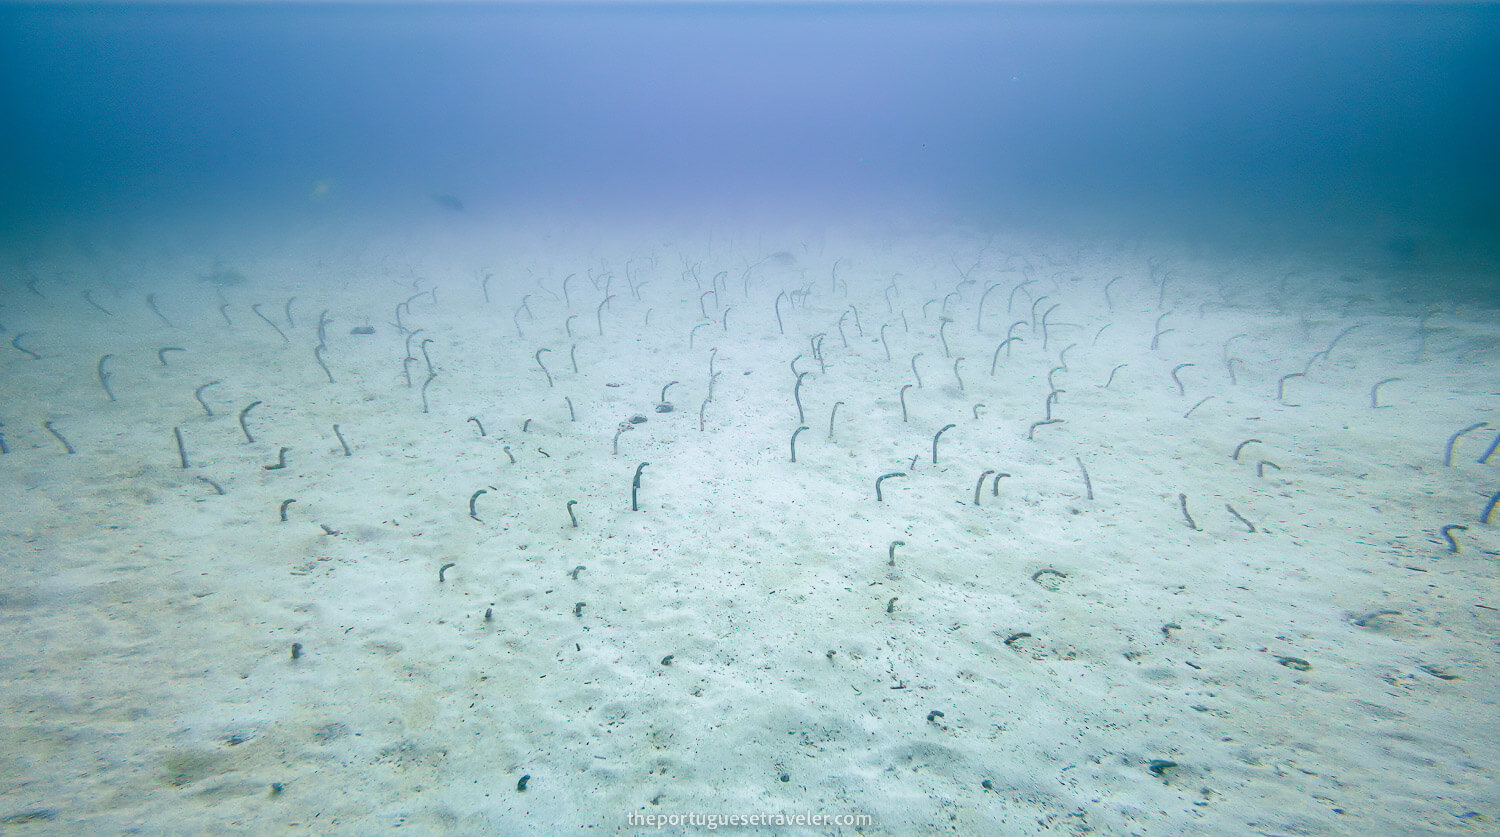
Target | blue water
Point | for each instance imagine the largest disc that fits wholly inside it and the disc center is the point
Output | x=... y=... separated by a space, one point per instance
x=1250 y=120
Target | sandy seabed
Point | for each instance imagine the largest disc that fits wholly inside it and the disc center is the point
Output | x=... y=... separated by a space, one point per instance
x=1211 y=597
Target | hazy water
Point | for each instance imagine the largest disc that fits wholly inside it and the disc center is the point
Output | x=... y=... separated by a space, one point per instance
x=1380 y=119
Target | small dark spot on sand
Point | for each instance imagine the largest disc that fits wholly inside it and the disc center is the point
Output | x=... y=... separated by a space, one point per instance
x=1157 y=767
x=223 y=276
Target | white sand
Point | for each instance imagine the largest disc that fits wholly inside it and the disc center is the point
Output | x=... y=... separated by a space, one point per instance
x=148 y=676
